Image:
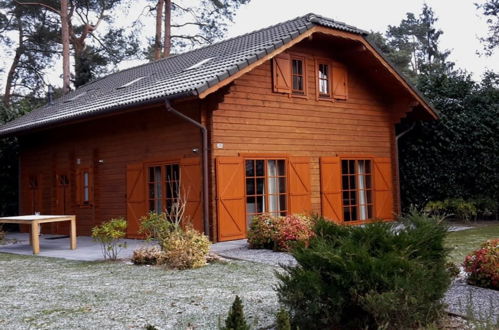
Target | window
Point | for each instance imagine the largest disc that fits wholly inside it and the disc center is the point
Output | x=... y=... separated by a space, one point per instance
x=84 y=186
x=266 y=190
x=298 y=76
x=34 y=195
x=163 y=183
x=324 y=80
x=357 y=189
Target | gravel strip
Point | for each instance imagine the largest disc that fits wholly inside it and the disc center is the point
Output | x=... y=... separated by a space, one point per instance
x=48 y=293
x=471 y=301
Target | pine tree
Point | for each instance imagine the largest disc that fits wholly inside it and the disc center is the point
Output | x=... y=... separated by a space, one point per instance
x=235 y=320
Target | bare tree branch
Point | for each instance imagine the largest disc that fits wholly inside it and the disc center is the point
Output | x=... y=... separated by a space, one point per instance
x=38 y=4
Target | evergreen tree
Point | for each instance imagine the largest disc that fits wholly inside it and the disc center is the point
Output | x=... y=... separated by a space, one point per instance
x=490 y=9
x=235 y=320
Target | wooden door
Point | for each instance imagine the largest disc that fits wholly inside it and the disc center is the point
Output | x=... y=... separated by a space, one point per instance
x=136 y=206
x=299 y=185
x=383 y=189
x=191 y=186
x=231 y=215
x=331 y=203
x=62 y=202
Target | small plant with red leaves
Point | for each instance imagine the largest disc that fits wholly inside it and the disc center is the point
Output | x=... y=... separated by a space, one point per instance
x=482 y=265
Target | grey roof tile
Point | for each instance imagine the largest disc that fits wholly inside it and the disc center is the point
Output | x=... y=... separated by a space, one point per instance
x=168 y=78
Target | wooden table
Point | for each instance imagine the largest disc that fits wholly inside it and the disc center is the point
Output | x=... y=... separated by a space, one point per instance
x=35 y=220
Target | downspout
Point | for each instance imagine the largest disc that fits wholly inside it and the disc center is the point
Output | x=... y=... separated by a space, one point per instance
x=204 y=132
x=397 y=168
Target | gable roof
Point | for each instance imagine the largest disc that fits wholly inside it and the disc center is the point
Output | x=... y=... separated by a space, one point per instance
x=188 y=74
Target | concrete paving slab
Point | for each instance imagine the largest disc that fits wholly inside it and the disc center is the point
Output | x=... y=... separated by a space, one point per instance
x=87 y=249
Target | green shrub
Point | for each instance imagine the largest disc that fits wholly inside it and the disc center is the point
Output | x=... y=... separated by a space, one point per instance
x=457 y=207
x=482 y=265
x=283 y=321
x=109 y=235
x=486 y=207
x=185 y=248
x=279 y=233
x=262 y=231
x=235 y=320
x=156 y=226
x=181 y=248
x=148 y=255
x=375 y=276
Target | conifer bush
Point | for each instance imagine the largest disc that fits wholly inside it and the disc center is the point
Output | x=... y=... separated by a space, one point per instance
x=235 y=320
x=379 y=275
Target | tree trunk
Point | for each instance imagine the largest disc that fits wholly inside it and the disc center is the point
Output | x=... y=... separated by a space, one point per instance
x=159 y=19
x=12 y=71
x=167 y=43
x=65 y=46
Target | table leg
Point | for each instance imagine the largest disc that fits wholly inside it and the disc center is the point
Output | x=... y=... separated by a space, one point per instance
x=73 y=234
x=35 y=239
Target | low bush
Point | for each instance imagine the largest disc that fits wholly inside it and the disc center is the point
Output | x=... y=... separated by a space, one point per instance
x=279 y=233
x=180 y=247
x=186 y=248
x=482 y=265
x=462 y=209
x=235 y=319
x=380 y=275
x=262 y=232
x=156 y=226
x=148 y=255
x=109 y=234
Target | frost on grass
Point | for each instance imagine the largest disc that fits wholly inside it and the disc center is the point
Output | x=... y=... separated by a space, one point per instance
x=45 y=293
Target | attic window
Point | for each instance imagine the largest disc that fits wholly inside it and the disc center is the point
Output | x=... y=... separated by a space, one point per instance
x=198 y=64
x=75 y=97
x=131 y=82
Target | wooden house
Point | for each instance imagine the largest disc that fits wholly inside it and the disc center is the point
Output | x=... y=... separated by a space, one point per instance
x=298 y=117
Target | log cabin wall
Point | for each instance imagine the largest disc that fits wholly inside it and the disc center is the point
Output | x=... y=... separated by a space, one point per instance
x=254 y=119
x=118 y=140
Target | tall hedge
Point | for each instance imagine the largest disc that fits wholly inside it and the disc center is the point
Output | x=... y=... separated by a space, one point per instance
x=458 y=155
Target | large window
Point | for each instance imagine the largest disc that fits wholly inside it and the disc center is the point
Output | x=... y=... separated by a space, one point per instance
x=266 y=190
x=357 y=189
x=164 y=187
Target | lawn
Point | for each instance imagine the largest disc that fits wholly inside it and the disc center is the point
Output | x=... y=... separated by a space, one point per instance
x=43 y=293
x=461 y=243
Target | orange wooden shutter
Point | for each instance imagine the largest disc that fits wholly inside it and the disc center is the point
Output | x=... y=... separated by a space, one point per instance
x=331 y=203
x=191 y=186
x=231 y=204
x=136 y=205
x=299 y=185
x=282 y=73
x=383 y=188
x=340 y=82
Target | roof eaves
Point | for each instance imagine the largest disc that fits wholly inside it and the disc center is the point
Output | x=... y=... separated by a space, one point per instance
x=72 y=117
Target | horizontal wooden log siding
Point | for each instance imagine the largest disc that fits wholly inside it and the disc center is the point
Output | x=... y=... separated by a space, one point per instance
x=146 y=134
x=254 y=119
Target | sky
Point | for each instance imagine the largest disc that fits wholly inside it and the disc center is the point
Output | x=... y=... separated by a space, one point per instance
x=460 y=21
